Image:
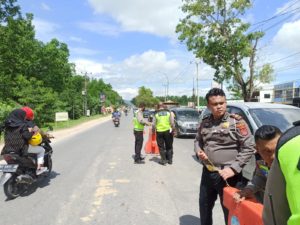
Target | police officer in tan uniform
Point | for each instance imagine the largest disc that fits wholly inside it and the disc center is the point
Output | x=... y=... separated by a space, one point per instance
x=225 y=147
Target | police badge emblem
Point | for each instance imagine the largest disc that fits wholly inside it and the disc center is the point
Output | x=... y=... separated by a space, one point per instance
x=225 y=125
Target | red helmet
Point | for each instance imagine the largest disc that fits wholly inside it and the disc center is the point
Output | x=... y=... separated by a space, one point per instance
x=29 y=112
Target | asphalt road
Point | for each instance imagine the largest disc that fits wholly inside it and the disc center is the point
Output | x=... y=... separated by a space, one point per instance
x=94 y=181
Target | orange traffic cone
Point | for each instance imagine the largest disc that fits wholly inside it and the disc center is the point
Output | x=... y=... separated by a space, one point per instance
x=151 y=145
x=247 y=212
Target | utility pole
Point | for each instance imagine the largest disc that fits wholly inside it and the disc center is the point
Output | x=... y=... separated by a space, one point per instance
x=197 y=81
x=85 y=91
x=197 y=63
x=194 y=102
x=167 y=87
x=165 y=91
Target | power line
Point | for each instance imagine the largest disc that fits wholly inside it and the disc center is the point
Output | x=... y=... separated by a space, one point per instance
x=262 y=23
x=288 y=67
x=279 y=22
x=281 y=59
x=282 y=13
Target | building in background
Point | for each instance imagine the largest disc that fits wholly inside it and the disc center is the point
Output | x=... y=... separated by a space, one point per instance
x=287 y=93
x=266 y=94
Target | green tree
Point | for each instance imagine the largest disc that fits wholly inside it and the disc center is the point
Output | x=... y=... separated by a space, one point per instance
x=9 y=9
x=43 y=100
x=72 y=96
x=214 y=32
x=52 y=65
x=17 y=50
x=145 y=95
x=39 y=74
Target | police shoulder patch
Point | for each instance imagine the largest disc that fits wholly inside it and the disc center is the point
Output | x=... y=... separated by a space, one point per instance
x=206 y=116
x=242 y=128
x=236 y=116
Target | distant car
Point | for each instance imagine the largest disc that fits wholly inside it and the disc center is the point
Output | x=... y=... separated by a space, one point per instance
x=134 y=111
x=257 y=114
x=146 y=113
x=186 y=121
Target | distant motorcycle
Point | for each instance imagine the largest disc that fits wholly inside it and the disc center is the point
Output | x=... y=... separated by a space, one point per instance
x=116 y=122
x=20 y=171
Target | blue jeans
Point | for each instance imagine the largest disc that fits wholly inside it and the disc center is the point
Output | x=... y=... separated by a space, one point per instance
x=211 y=186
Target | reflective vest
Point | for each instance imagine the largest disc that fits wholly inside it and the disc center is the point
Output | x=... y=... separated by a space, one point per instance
x=289 y=160
x=137 y=125
x=163 y=121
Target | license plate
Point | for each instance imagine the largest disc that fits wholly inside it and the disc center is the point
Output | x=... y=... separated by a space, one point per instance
x=9 y=168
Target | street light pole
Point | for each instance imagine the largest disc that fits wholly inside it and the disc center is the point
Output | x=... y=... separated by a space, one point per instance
x=85 y=91
x=197 y=81
x=197 y=86
x=167 y=87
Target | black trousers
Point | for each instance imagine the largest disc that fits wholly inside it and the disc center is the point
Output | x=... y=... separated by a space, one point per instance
x=138 y=145
x=165 y=145
x=211 y=186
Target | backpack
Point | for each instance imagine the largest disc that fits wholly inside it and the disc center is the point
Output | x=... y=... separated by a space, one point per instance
x=14 y=142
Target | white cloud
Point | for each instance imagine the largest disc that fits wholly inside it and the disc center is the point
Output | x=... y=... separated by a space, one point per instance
x=45 y=30
x=151 y=61
x=288 y=36
x=77 y=39
x=100 y=28
x=45 y=6
x=130 y=93
x=148 y=69
x=88 y=66
x=151 y=69
x=83 y=51
x=156 y=16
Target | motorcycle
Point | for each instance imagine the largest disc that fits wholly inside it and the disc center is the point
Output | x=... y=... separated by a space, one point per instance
x=116 y=122
x=20 y=171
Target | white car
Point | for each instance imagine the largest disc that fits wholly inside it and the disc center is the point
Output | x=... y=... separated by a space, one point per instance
x=257 y=114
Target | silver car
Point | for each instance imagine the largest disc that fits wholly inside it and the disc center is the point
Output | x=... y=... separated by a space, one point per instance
x=257 y=114
x=186 y=121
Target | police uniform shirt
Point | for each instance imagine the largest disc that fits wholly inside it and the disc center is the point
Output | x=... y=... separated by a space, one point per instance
x=227 y=142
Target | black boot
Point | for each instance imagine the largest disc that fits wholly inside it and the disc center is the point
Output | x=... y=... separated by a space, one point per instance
x=170 y=156
x=139 y=161
x=163 y=160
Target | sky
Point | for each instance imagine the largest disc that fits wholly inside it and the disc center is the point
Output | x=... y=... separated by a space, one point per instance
x=133 y=43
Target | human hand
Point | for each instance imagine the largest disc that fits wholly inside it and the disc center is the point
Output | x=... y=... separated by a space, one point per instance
x=243 y=194
x=201 y=154
x=36 y=128
x=174 y=133
x=226 y=173
x=50 y=136
x=237 y=197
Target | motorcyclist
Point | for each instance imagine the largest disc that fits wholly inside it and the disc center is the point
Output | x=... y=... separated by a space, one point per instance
x=126 y=111
x=19 y=131
x=115 y=115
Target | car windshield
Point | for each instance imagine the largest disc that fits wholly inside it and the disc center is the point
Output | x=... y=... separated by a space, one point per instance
x=188 y=114
x=281 y=118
